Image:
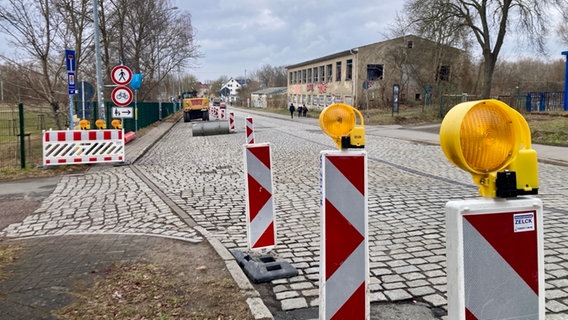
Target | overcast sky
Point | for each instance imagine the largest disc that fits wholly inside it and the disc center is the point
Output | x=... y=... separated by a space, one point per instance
x=240 y=36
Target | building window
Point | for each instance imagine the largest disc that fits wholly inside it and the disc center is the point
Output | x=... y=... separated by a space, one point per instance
x=316 y=77
x=328 y=72
x=338 y=71
x=304 y=76
x=410 y=44
x=290 y=75
x=443 y=73
x=349 y=69
x=310 y=75
x=374 y=72
x=322 y=73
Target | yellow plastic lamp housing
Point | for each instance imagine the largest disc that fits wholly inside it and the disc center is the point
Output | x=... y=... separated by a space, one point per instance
x=339 y=121
x=100 y=124
x=484 y=137
x=117 y=124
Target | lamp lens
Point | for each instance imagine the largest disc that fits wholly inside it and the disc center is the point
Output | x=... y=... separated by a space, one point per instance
x=487 y=138
x=337 y=120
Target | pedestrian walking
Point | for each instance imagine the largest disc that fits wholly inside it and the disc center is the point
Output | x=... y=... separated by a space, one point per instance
x=305 y=110
x=292 y=109
x=299 y=111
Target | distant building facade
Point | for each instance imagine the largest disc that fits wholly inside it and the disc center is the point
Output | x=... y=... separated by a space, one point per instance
x=366 y=75
x=231 y=88
x=269 y=97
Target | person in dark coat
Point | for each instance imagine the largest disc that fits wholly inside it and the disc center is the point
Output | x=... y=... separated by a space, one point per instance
x=304 y=110
x=299 y=111
x=292 y=109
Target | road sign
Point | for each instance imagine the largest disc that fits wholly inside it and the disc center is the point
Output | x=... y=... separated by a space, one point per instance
x=121 y=96
x=71 y=82
x=70 y=60
x=121 y=75
x=122 y=112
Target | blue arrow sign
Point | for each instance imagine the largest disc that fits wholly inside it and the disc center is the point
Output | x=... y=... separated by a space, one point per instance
x=70 y=60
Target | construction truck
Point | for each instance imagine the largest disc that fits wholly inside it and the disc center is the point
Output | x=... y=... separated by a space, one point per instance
x=194 y=107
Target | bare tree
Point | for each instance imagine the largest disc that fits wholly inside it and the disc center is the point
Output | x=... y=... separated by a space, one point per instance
x=151 y=36
x=36 y=28
x=487 y=21
x=269 y=76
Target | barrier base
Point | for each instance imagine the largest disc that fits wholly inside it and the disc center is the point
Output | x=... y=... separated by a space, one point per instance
x=263 y=268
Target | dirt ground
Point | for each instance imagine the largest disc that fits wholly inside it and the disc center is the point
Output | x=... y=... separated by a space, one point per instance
x=173 y=281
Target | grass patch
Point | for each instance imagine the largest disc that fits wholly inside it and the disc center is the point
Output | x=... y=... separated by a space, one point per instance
x=149 y=291
x=8 y=254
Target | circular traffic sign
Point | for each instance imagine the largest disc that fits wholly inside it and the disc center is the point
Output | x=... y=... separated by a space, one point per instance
x=121 y=96
x=121 y=75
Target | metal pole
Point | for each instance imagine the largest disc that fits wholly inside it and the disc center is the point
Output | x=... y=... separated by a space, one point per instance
x=565 y=53
x=135 y=110
x=83 y=97
x=70 y=112
x=100 y=85
x=22 y=136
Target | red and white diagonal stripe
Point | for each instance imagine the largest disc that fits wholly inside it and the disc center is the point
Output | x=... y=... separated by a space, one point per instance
x=261 y=229
x=231 y=121
x=249 y=127
x=344 y=250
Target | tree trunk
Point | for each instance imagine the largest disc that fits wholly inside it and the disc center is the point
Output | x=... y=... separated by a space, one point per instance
x=488 y=68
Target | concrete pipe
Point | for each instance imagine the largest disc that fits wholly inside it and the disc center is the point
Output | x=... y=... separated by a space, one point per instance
x=209 y=128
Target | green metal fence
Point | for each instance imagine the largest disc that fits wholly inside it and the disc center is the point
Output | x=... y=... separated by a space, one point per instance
x=23 y=127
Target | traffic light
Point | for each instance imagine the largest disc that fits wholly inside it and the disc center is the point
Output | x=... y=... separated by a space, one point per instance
x=492 y=141
x=339 y=122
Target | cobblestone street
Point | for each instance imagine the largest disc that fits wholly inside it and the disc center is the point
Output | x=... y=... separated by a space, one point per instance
x=409 y=185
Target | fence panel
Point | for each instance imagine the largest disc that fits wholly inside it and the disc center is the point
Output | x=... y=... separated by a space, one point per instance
x=36 y=119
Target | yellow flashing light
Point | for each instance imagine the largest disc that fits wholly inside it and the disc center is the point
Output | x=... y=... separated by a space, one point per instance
x=339 y=122
x=485 y=137
x=116 y=123
x=100 y=124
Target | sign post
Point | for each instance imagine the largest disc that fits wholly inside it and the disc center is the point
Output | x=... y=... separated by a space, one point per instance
x=70 y=64
x=121 y=96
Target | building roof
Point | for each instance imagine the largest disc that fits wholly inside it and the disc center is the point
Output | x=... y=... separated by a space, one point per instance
x=272 y=90
x=355 y=50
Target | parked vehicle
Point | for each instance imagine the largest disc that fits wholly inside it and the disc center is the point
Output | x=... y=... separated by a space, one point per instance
x=194 y=107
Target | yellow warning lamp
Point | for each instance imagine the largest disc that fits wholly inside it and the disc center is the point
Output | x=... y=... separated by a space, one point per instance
x=339 y=122
x=116 y=123
x=85 y=124
x=492 y=141
x=100 y=124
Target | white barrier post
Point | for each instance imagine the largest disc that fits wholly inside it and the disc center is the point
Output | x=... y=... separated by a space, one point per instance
x=249 y=130
x=261 y=228
x=344 y=267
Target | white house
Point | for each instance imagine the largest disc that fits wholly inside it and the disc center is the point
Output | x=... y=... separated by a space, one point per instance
x=230 y=89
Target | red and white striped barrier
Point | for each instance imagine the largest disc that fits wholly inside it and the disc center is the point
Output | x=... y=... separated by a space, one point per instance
x=261 y=228
x=232 y=122
x=495 y=259
x=344 y=267
x=249 y=129
x=82 y=146
x=222 y=114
